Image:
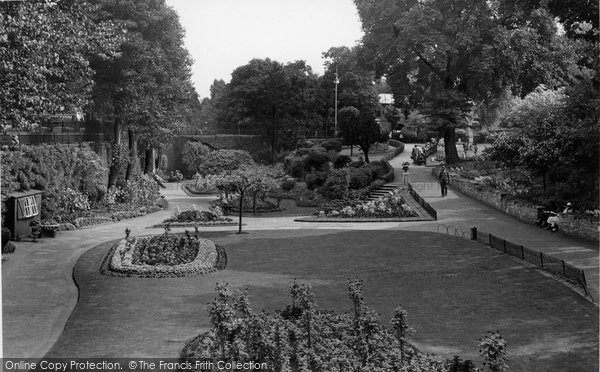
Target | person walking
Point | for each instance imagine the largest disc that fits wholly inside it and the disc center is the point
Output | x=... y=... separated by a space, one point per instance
x=444 y=179
x=414 y=154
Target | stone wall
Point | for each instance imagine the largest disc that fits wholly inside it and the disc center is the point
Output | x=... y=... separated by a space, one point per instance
x=572 y=225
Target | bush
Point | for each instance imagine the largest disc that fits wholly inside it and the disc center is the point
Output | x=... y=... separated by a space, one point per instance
x=342 y=161
x=53 y=169
x=288 y=185
x=318 y=161
x=336 y=185
x=393 y=142
x=315 y=180
x=296 y=168
x=332 y=145
x=221 y=161
x=360 y=177
x=357 y=164
x=194 y=154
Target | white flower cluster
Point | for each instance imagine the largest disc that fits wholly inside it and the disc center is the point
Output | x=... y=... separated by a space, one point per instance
x=205 y=262
x=389 y=206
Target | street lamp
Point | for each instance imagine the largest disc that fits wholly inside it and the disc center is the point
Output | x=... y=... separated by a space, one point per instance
x=336 y=82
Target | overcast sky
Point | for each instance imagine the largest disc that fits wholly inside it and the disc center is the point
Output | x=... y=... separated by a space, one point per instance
x=224 y=34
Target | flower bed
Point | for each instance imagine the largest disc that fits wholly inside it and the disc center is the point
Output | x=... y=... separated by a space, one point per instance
x=391 y=206
x=165 y=255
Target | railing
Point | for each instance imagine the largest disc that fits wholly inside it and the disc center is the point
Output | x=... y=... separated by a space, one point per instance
x=64 y=138
x=428 y=208
x=544 y=261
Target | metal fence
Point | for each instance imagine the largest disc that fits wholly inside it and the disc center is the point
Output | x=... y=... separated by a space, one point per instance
x=422 y=202
x=544 y=261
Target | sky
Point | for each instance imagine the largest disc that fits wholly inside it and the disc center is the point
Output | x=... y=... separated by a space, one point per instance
x=222 y=35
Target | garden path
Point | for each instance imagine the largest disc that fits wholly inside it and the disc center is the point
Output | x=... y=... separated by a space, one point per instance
x=463 y=212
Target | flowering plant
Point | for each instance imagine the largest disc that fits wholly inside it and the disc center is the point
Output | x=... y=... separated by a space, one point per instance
x=390 y=206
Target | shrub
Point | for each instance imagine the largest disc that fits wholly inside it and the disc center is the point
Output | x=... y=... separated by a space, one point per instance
x=297 y=168
x=194 y=154
x=302 y=337
x=360 y=177
x=393 y=142
x=288 y=185
x=53 y=169
x=336 y=185
x=357 y=164
x=221 y=161
x=315 y=180
x=332 y=145
x=342 y=161
x=318 y=161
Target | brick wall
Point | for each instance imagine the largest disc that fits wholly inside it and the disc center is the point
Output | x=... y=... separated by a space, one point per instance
x=571 y=225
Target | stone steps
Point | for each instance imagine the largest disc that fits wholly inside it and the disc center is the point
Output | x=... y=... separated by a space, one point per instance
x=382 y=191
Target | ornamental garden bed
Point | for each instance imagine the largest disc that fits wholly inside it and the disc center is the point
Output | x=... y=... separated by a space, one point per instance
x=391 y=208
x=165 y=255
x=196 y=217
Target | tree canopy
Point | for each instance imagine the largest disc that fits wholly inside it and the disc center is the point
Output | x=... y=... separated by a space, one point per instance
x=460 y=53
x=45 y=48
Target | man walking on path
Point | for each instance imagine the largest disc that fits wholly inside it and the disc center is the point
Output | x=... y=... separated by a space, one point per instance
x=414 y=154
x=444 y=179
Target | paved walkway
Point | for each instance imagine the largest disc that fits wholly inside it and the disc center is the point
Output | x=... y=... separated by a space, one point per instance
x=464 y=212
x=39 y=293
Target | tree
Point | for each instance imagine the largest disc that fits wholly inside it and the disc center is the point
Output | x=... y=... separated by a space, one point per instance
x=274 y=98
x=359 y=129
x=447 y=57
x=44 y=49
x=148 y=89
x=238 y=181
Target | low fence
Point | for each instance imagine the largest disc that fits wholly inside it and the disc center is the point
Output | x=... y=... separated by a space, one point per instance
x=544 y=261
x=53 y=138
x=422 y=202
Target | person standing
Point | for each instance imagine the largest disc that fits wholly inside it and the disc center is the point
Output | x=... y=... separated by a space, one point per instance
x=444 y=179
x=475 y=149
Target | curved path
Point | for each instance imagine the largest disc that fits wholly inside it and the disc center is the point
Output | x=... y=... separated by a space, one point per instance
x=39 y=293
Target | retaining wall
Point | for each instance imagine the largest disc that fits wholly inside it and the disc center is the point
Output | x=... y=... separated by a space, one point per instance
x=572 y=225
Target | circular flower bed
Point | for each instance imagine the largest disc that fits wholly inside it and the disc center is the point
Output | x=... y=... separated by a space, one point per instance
x=165 y=255
x=389 y=206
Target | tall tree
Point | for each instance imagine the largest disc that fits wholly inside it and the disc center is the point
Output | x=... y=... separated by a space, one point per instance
x=44 y=49
x=458 y=54
x=355 y=92
x=146 y=91
x=272 y=97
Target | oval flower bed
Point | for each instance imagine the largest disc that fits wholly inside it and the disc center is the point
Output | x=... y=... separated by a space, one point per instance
x=389 y=206
x=165 y=255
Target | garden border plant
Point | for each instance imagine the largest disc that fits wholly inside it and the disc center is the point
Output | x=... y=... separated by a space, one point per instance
x=193 y=268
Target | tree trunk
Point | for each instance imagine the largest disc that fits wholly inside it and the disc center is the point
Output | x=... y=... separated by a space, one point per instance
x=149 y=166
x=365 y=151
x=240 y=213
x=132 y=154
x=450 y=145
x=544 y=180
x=115 y=163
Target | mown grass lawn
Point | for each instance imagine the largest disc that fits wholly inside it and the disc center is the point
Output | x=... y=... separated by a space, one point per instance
x=454 y=291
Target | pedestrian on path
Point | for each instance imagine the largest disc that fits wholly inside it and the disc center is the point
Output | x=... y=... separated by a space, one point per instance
x=444 y=179
x=414 y=154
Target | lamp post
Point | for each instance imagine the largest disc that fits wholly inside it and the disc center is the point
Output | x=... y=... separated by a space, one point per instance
x=336 y=82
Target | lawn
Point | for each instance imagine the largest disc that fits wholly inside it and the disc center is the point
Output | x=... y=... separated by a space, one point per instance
x=454 y=291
